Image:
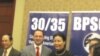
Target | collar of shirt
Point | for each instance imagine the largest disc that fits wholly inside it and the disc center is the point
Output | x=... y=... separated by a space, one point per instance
x=40 y=48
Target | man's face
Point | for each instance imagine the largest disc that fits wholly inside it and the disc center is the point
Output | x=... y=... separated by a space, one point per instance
x=6 y=43
x=38 y=37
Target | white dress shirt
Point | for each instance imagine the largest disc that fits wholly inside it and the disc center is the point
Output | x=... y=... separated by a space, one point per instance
x=40 y=48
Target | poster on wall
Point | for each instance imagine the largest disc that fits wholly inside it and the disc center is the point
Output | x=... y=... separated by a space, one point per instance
x=85 y=28
x=49 y=22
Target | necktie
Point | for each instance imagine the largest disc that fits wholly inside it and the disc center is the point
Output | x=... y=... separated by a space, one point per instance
x=5 y=52
x=37 y=51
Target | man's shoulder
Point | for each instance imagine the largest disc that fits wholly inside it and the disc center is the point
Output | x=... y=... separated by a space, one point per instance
x=15 y=50
x=28 y=47
x=46 y=48
x=1 y=50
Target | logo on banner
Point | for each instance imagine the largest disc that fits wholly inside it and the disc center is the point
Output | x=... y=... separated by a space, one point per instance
x=85 y=32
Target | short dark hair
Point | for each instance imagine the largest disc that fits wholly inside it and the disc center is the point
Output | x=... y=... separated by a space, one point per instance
x=10 y=37
x=89 y=40
x=61 y=35
x=95 y=39
x=38 y=30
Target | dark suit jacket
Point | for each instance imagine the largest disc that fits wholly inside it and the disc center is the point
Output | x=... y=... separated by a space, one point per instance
x=96 y=50
x=13 y=52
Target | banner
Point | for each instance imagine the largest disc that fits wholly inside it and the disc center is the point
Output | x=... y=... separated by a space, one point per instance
x=50 y=22
x=85 y=26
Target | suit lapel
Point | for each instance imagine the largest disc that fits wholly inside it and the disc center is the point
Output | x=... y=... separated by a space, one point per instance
x=11 y=52
x=32 y=51
x=42 y=51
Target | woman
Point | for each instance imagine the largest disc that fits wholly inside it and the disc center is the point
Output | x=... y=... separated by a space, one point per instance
x=60 y=46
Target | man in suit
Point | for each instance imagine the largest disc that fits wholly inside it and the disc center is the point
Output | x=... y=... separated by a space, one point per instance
x=37 y=48
x=7 y=49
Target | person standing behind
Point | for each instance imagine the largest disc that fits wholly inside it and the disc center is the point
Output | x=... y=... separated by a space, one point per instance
x=7 y=49
x=59 y=41
x=92 y=44
x=96 y=51
x=37 y=48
